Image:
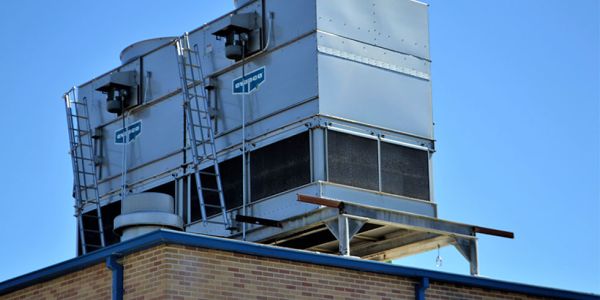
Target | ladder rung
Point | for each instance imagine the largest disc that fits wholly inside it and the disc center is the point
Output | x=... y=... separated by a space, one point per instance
x=188 y=50
x=192 y=96
x=92 y=231
x=80 y=130
x=86 y=173
x=89 y=216
x=83 y=158
x=78 y=103
x=93 y=246
x=191 y=80
x=208 y=157
x=210 y=190
x=192 y=65
x=215 y=222
x=207 y=173
x=212 y=205
x=202 y=126
x=80 y=117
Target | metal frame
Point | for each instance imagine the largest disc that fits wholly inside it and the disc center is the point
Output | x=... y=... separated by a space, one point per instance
x=417 y=233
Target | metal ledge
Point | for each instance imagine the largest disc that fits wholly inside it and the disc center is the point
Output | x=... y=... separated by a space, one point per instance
x=370 y=232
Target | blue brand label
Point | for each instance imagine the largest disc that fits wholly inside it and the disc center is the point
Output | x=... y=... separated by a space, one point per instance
x=132 y=132
x=250 y=82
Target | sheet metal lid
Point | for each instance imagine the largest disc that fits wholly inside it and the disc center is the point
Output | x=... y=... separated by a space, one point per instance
x=238 y=3
x=140 y=48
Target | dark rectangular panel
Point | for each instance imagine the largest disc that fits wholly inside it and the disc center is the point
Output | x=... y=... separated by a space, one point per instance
x=405 y=171
x=352 y=160
x=280 y=166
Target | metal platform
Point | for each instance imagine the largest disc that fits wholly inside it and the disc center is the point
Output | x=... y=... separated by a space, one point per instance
x=370 y=232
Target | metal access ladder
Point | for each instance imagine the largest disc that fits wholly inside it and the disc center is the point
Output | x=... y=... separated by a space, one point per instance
x=199 y=125
x=85 y=183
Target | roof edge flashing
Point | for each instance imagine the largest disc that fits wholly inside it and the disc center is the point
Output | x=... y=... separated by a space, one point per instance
x=165 y=236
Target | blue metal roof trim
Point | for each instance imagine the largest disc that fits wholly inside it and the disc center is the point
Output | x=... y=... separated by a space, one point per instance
x=186 y=239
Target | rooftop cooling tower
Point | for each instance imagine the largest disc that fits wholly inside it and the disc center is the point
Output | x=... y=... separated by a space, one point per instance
x=300 y=123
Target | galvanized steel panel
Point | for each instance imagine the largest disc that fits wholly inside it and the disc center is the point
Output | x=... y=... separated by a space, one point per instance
x=97 y=100
x=292 y=19
x=382 y=58
x=291 y=79
x=370 y=95
x=162 y=135
x=402 y=26
x=164 y=73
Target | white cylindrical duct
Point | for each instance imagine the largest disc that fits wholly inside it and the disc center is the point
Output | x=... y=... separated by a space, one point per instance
x=140 y=48
x=146 y=212
x=238 y=3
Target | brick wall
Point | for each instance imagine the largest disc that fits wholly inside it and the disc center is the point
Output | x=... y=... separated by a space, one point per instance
x=211 y=274
x=445 y=291
x=90 y=283
x=179 y=272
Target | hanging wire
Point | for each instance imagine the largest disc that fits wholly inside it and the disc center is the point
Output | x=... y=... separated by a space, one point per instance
x=244 y=158
x=438 y=260
x=124 y=152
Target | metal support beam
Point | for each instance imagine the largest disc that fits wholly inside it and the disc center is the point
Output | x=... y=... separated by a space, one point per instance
x=344 y=230
x=407 y=220
x=343 y=235
x=410 y=238
x=291 y=226
x=258 y=221
x=468 y=249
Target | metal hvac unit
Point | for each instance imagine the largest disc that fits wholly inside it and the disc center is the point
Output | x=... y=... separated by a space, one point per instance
x=305 y=124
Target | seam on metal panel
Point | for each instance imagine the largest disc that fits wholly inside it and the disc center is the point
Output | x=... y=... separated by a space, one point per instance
x=373 y=45
x=373 y=62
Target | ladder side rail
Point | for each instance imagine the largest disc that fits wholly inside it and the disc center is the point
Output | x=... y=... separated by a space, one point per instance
x=74 y=162
x=198 y=121
x=194 y=98
x=72 y=143
x=82 y=170
x=80 y=135
x=190 y=124
x=94 y=179
x=211 y=138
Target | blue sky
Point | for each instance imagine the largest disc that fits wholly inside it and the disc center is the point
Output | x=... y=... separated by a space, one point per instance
x=516 y=106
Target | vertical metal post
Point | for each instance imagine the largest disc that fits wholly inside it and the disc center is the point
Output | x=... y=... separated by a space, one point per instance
x=474 y=263
x=379 y=178
x=179 y=196
x=244 y=171
x=188 y=197
x=124 y=161
x=430 y=170
x=325 y=138
x=318 y=154
x=244 y=166
x=343 y=235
